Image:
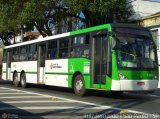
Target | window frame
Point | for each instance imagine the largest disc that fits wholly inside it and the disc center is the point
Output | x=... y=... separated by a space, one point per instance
x=49 y=49
x=25 y=53
x=59 y=48
x=86 y=44
x=4 y=59
x=17 y=54
x=156 y=37
x=32 y=53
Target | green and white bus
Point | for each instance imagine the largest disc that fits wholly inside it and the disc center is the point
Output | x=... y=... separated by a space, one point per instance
x=109 y=57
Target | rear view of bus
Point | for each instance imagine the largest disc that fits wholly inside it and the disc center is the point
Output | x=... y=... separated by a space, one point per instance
x=134 y=60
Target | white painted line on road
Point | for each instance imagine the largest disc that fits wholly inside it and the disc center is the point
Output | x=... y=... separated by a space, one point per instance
x=3 y=88
x=52 y=107
x=82 y=102
x=23 y=97
x=7 y=90
x=32 y=108
x=14 y=93
x=110 y=111
x=35 y=101
x=154 y=95
x=129 y=104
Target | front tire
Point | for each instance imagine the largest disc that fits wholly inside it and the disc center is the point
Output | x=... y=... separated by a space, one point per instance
x=23 y=80
x=79 y=86
x=15 y=80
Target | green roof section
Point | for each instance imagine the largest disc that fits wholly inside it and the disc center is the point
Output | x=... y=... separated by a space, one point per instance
x=95 y=28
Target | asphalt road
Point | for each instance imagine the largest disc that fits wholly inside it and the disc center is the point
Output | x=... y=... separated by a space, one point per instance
x=46 y=102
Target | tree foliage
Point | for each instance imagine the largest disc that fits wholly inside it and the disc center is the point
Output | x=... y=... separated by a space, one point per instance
x=44 y=14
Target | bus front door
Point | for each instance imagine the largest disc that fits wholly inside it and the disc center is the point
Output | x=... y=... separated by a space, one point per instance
x=41 y=63
x=99 y=61
x=8 y=65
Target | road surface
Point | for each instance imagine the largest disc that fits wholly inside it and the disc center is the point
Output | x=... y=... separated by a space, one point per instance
x=46 y=102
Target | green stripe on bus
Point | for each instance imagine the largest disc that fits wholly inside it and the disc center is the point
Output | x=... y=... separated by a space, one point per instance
x=63 y=73
x=91 y=29
x=57 y=73
x=99 y=86
x=31 y=72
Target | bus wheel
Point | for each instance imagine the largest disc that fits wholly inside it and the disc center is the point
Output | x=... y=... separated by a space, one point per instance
x=23 y=80
x=15 y=80
x=79 y=86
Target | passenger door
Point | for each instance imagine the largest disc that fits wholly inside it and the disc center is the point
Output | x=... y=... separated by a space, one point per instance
x=8 y=64
x=41 y=62
x=100 y=59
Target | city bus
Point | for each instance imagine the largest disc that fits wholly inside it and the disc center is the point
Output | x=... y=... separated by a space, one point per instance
x=110 y=57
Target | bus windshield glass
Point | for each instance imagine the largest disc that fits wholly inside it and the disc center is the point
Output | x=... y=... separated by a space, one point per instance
x=135 y=51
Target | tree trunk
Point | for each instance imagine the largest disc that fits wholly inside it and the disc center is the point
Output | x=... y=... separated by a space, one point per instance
x=40 y=30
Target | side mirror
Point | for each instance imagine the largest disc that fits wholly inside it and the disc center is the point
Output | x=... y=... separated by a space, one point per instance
x=113 y=43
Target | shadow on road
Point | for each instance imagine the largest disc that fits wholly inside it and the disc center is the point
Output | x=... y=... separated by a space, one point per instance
x=8 y=111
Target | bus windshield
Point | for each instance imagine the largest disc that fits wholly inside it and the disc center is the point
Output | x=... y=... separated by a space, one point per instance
x=134 y=51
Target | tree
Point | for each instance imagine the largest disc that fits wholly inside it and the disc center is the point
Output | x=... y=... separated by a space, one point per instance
x=97 y=12
x=38 y=13
x=46 y=14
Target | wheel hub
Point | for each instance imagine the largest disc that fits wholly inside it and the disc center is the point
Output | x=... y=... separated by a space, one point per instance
x=79 y=85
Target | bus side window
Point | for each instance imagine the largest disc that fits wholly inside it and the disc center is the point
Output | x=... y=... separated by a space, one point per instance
x=32 y=52
x=80 y=45
x=15 y=56
x=4 y=56
x=52 y=50
x=23 y=53
x=63 y=50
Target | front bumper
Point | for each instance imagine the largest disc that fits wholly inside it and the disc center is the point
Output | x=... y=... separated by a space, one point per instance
x=133 y=85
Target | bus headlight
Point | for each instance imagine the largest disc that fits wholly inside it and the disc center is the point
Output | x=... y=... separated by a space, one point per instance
x=122 y=77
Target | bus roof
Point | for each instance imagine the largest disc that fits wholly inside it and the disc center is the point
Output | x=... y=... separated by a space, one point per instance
x=63 y=35
x=124 y=25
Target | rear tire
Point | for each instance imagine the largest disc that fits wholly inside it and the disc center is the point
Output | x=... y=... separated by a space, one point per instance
x=23 y=80
x=16 y=80
x=79 y=86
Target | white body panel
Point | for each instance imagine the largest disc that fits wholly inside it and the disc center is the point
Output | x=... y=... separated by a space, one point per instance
x=57 y=66
x=4 y=70
x=131 y=85
x=30 y=67
x=61 y=68
x=41 y=74
x=31 y=78
x=56 y=80
x=9 y=73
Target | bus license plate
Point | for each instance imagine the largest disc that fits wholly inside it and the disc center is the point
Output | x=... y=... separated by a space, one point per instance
x=140 y=83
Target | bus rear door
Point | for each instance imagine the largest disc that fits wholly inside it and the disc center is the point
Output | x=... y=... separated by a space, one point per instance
x=41 y=63
x=8 y=64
